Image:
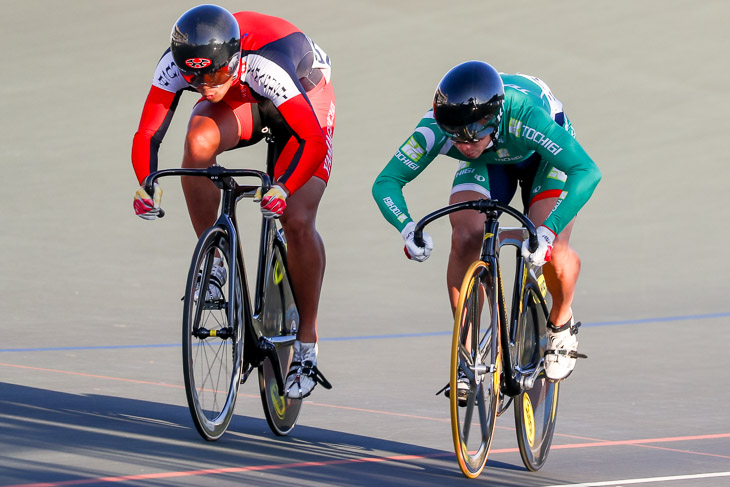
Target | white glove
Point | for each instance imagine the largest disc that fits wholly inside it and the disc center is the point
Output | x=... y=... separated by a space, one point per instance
x=146 y=206
x=273 y=203
x=544 y=251
x=413 y=251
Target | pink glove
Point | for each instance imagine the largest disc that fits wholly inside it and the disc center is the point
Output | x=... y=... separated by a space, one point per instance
x=273 y=203
x=146 y=206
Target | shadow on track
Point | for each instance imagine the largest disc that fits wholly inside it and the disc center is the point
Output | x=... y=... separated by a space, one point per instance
x=53 y=437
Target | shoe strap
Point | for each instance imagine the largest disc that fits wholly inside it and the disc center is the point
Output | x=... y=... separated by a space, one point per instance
x=566 y=353
x=557 y=329
x=311 y=371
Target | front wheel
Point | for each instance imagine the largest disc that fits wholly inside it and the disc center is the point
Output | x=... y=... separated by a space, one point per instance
x=475 y=359
x=536 y=408
x=212 y=338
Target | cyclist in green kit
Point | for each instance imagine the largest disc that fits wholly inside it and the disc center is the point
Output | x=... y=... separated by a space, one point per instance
x=505 y=130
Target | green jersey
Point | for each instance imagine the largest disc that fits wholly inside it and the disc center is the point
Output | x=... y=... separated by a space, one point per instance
x=528 y=126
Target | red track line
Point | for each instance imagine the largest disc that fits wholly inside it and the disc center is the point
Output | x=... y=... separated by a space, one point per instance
x=95 y=376
x=642 y=441
x=716 y=455
x=394 y=458
x=593 y=442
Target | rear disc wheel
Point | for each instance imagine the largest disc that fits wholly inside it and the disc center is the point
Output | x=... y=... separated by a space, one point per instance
x=279 y=323
x=535 y=409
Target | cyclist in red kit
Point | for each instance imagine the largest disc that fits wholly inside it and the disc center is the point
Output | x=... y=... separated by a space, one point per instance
x=252 y=71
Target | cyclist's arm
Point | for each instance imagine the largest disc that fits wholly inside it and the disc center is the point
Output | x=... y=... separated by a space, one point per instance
x=413 y=156
x=271 y=75
x=301 y=119
x=561 y=150
x=159 y=107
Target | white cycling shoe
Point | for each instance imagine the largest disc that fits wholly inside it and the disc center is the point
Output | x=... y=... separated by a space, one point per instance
x=562 y=350
x=218 y=276
x=303 y=373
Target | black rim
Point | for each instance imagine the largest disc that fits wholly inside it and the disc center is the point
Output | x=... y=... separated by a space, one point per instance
x=211 y=341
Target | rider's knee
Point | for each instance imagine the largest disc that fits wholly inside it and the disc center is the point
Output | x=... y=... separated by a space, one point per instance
x=297 y=225
x=199 y=147
x=466 y=238
x=564 y=256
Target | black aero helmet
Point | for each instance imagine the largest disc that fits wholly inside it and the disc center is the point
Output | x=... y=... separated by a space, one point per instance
x=468 y=102
x=206 y=45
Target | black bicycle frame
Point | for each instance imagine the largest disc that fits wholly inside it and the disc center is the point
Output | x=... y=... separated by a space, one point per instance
x=256 y=349
x=490 y=255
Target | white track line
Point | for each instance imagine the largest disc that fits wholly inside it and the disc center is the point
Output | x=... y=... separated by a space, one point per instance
x=646 y=480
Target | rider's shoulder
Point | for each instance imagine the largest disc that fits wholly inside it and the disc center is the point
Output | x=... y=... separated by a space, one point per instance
x=167 y=76
x=428 y=133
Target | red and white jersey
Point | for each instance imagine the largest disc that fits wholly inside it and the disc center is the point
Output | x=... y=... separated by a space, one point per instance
x=276 y=58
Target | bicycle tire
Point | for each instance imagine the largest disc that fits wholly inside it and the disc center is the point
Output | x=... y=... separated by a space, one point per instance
x=467 y=355
x=212 y=341
x=536 y=408
x=279 y=323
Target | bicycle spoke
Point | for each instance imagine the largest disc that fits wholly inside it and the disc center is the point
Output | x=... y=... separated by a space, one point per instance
x=472 y=349
x=212 y=344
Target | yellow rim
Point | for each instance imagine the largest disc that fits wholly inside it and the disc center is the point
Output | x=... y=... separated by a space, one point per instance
x=460 y=448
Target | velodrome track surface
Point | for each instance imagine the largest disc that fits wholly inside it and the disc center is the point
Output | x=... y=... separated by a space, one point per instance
x=91 y=388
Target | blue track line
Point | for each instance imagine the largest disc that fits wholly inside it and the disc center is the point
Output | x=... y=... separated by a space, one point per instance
x=665 y=319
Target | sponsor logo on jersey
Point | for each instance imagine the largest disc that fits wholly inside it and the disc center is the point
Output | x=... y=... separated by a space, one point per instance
x=560 y=200
x=198 y=62
x=394 y=208
x=412 y=149
x=518 y=88
x=407 y=161
x=557 y=174
x=517 y=128
x=328 y=137
x=543 y=140
x=504 y=155
x=270 y=84
x=168 y=74
x=467 y=170
x=463 y=165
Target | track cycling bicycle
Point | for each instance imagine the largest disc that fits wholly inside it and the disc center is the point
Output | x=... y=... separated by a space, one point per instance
x=501 y=356
x=226 y=337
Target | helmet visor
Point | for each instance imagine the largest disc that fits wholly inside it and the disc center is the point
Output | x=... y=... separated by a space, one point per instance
x=212 y=79
x=472 y=132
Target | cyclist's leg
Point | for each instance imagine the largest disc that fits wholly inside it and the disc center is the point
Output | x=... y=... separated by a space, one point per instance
x=561 y=273
x=213 y=128
x=472 y=181
x=304 y=244
x=467 y=232
x=306 y=254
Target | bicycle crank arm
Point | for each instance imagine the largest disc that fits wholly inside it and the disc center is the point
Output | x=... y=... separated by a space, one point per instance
x=283 y=341
x=267 y=347
x=527 y=381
